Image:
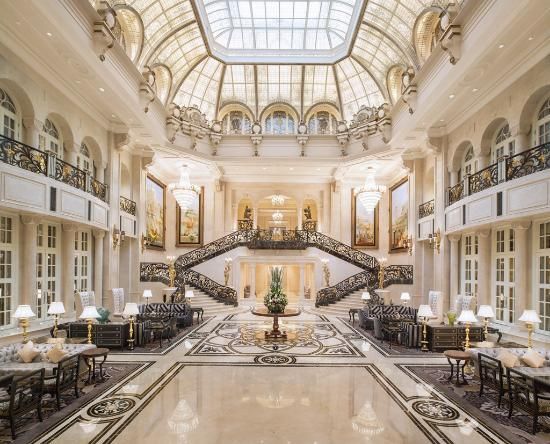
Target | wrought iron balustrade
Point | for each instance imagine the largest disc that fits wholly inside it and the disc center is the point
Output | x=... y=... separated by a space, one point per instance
x=127 y=205
x=456 y=193
x=23 y=156
x=483 y=179
x=154 y=272
x=245 y=224
x=426 y=209
x=221 y=293
x=529 y=162
x=330 y=295
x=36 y=161
x=309 y=225
x=398 y=275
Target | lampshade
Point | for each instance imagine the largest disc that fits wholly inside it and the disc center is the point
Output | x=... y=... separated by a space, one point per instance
x=530 y=316
x=405 y=296
x=23 y=312
x=365 y=296
x=147 y=294
x=425 y=311
x=467 y=316
x=56 y=307
x=485 y=311
x=89 y=312
x=189 y=294
x=130 y=309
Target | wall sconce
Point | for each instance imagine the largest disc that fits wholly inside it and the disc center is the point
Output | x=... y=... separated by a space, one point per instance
x=435 y=240
x=409 y=245
x=118 y=237
x=145 y=242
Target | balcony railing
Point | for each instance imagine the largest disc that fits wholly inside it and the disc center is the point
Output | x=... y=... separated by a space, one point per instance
x=507 y=168
x=127 y=205
x=426 y=209
x=36 y=161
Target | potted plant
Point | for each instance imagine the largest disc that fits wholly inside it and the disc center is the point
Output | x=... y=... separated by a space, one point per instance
x=275 y=300
x=451 y=317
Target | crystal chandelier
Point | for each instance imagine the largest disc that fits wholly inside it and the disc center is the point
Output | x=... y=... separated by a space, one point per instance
x=370 y=193
x=277 y=200
x=184 y=192
x=277 y=217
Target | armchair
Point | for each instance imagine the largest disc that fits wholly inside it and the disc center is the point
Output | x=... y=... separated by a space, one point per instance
x=492 y=374
x=24 y=395
x=65 y=377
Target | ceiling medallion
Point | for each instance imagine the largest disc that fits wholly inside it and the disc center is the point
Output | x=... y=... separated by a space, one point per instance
x=277 y=200
x=370 y=193
x=184 y=192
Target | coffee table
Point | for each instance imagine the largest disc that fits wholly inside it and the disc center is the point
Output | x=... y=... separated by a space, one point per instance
x=457 y=356
x=91 y=355
x=275 y=333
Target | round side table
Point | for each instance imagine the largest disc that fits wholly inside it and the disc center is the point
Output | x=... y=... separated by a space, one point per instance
x=458 y=356
x=275 y=333
x=90 y=357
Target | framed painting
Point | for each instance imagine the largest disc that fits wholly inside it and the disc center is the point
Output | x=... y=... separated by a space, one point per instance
x=399 y=215
x=190 y=223
x=364 y=225
x=155 y=213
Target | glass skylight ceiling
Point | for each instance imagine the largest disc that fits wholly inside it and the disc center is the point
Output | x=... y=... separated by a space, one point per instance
x=282 y=31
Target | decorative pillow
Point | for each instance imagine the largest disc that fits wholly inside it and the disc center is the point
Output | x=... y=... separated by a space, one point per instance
x=508 y=359
x=28 y=352
x=56 y=354
x=57 y=341
x=533 y=359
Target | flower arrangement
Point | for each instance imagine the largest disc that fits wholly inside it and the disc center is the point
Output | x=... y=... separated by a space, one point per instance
x=275 y=300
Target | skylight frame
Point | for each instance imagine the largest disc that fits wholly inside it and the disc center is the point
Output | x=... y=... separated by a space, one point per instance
x=219 y=37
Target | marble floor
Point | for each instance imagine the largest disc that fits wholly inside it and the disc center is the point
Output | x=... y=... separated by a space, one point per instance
x=222 y=383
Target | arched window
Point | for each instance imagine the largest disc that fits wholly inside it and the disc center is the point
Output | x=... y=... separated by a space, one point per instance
x=322 y=122
x=236 y=122
x=50 y=139
x=469 y=163
x=503 y=144
x=543 y=123
x=279 y=122
x=8 y=115
x=83 y=159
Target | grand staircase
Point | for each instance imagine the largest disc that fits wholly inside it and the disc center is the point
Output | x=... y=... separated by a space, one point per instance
x=211 y=306
x=342 y=307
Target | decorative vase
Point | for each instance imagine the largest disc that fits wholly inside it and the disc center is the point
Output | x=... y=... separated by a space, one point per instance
x=451 y=317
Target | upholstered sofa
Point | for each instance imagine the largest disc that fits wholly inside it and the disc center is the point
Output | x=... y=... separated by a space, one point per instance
x=494 y=352
x=371 y=312
x=182 y=312
x=11 y=362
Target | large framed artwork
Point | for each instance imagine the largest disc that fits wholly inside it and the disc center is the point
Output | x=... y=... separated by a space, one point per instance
x=155 y=213
x=399 y=215
x=364 y=225
x=190 y=223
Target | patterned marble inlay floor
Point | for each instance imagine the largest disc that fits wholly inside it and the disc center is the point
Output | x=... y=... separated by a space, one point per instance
x=223 y=383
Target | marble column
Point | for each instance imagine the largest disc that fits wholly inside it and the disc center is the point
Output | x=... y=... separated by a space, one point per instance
x=302 y=282
x=255 y=217
x=98 y=265
x=252 y=271
x=454 y=275
x=484 y=267
x=67 y=280
x=28 y=262
x=32 y=129
x=300 y=214
x=523 y=292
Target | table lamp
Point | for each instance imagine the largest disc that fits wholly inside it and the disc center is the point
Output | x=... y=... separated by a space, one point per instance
x=425 y=312
x=23 y=313
x=89 y=313
x=467 y=317
x=147 y=294
x=405 y=297
x=56 y=308
x=131 y=309
x=530 y=317
x=485 y=312
x=189 y=294
x=365 y=296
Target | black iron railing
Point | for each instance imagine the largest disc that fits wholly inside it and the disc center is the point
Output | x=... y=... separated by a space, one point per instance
x=127 y=205
x=309 y=225
x=36 y=161
x=245 y=224
x=426 y=209
x=507 y=168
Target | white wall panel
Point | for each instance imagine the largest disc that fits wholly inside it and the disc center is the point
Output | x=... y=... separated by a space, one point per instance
x=527 y=197
x=73 y=205
x=480 y=209
x=453 y=218
x=99 y=214
x=127 y=225
x=24 y=192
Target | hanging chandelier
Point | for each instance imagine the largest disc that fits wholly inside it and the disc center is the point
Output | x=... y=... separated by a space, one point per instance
x=277 y=217
x=369 y=194
x=277 y=200
x=184 y=192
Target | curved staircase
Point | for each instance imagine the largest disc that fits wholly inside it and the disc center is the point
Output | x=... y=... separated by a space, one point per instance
x=211 y=306
x=342 y=307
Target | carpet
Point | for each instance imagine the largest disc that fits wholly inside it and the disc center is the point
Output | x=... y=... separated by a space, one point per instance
x=28 y=427
x=484 y=407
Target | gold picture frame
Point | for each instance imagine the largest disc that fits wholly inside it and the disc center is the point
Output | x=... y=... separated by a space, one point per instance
x=193 y=237
x=155 y=213
x=359 y=232
x=399 y=224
